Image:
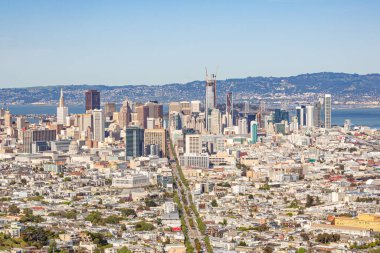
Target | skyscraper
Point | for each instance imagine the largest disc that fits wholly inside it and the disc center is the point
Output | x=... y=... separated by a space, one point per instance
x=309 y=116
x=299 y=112
x=215 y=123
x=254 y=132
x=31 y=136
x=156 y=137
x=109 y=109
x=246 y=107
x=210 y=102
x=62 y=111
x=155 y=109
x=134 y=141
x=195 y=106
x=142 y=115
x=99 y=122
x=229 y=109
x=92 y=100
x=125 y=114
x=7 y=119
x=242 y=126
x=327 y=110
x=317 y=114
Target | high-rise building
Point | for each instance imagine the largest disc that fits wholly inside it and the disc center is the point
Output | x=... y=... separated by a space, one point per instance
x=185 y=107
x=229 y=109
x=92 y=100
x=215 y=121
x=262 y=107
x=299 y=113
x=7 y=119
x=317 y=114
x=155 y=109
x=156 y=137
x=193 y=144
x=280 y=115
x=174 y=107
x=210 y=98
x=62 y=110
x=20 y=122
x=254 y=132
x=246 y=107
x=109 y=109
x=31 y=136
x=327 y=110
x=195 y=106
x=309 y=116
x=99 y=125
x=242 y=126
x=125 y=114
x=134 y=141
x=142 y=115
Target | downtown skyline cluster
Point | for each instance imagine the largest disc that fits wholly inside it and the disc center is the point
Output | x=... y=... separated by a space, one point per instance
x=203 y=177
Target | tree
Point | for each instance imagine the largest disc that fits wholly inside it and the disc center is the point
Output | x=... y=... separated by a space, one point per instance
x=128 y=212
x=224 y=222
x=305 y=236
x=36 y=236
x=143 y=226
x=13 y=209
x=267 y=249
x=94 y=217
x=214 y=203
x=243 y=244
x=150 y=202
x=23 y=181
x=309 y=201
x=124 y=250
x=123 y=227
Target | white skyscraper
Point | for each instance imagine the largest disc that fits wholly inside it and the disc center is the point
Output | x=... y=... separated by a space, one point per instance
x=327 y=110
x=62 y=111
x=243 y=126
x=98 y=123
x=195 y=106
x=309 y=116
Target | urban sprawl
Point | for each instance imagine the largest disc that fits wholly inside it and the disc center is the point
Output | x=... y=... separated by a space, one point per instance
x=202 y=178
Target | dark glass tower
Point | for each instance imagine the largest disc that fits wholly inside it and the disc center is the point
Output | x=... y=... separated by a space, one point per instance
x=92 y=100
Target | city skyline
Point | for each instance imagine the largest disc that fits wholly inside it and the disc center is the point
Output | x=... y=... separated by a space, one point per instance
x=47 y=43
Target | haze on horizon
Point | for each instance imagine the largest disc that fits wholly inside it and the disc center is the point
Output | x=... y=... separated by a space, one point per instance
x=157 y=42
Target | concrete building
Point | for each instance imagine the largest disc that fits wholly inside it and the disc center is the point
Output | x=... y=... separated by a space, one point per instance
x=62 y=110
x=156 y=137
x=99 y=125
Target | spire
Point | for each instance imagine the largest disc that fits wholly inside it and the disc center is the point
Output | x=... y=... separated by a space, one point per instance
x=61 y=99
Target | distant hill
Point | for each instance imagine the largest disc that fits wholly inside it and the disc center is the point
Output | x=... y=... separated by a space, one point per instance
x=338 y=84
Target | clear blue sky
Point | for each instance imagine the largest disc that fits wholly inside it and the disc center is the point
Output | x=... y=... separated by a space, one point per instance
x=154 y=42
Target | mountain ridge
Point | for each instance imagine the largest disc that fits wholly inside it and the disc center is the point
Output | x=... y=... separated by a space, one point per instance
x=338 y=84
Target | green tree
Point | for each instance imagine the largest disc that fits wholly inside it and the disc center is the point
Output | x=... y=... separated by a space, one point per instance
x=13 y=209
x=124 y=250
x=214 y=203
x=36 y=236
x=143 y=226
x=94 y=217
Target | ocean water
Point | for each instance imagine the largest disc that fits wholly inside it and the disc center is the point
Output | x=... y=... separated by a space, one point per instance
x=358 y=116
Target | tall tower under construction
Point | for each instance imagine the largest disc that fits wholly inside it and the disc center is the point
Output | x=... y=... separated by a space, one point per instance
x=210 y=97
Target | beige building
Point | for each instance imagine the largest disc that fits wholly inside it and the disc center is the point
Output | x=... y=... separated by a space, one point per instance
x=156 y=137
